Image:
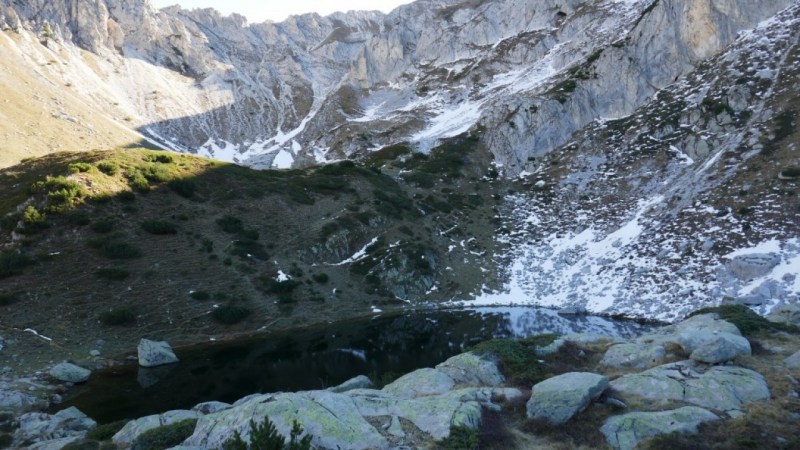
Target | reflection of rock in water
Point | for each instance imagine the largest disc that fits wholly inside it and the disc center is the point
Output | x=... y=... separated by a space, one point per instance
x=147 y=377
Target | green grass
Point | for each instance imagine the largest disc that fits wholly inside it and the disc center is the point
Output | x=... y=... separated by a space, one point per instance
x=165 y=437
x=108 y=168
x=461 y=438
x=746 y=320
x=518 y=358
x=80 y=167
x=106 y=431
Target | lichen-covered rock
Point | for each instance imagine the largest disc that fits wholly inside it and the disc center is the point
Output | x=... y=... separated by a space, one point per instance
x=724 y=347
x=626 y=431
x=70 y=373
x=633 y=356
x=211 y=407
x=558 y=399
x=721 y=388
x=359 y=382
x=788 y=314
x=420 y=383
x=155 y=353
x=468 y=369
x=135 y=428
x=42 y=427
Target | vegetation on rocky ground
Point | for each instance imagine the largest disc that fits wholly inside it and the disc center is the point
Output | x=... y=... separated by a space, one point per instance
x=265 y=435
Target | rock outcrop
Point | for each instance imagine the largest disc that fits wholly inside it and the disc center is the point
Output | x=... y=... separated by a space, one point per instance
x=626 y=431
x=155 y=353
x=69 y=372
x=558 y=399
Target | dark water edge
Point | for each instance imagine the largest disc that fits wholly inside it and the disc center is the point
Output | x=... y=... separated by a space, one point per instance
x=317 y=357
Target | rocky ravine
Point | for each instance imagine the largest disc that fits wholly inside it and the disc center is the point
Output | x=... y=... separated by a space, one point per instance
x=634 y=394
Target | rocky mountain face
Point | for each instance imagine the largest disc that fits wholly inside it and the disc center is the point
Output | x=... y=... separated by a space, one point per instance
x=654 y=139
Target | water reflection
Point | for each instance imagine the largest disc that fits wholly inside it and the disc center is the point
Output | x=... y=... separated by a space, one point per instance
x=317 y=357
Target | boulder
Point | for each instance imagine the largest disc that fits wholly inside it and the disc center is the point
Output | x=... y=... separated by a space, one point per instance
x=211 y=407
x=359 y=382
x=721 y=388
x=135 y=428
x=12 y=399
x=626 y=431
x=702 y=329
x=70 y=373
x=633 y=356
x=469 y=369
x=788 y=314
x=155 y=353
x=754 y=265
x=420 y=383
x=722 y=348
x=793 y=362
x=40 y=427
x=558 y=399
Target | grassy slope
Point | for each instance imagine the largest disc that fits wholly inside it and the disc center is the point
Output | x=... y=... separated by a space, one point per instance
x=227 y=233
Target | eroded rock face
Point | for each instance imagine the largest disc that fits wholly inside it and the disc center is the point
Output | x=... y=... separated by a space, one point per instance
x=135 y=428
x=61 y=427
x=626 y=431
x=721 y=388
x=558 y=399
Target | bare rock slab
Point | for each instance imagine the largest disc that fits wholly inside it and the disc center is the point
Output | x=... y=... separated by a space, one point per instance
x=626 y=431
x=155 y=353
x=558 y=399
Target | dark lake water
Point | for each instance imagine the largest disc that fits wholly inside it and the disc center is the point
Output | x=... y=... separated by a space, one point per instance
x=316 y=358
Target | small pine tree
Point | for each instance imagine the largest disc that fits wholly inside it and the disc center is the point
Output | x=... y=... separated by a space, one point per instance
x=265 y=436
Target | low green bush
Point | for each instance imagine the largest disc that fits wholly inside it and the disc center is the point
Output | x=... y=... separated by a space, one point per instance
x=320 y=278
x=746 y=320
x=791 y=172
x=79 y=218
x=80 y=167
x=118 y=316
x=159 y=227
x=108 y=168
x=183 y=187
x=165 y=437
x=12 y=263
x=518 y=359
x=162 y=158
x=461 y=438
x=106 y=431
x=103 y=226
x=266 y=436
x=230 y=314
x=230 y=224
x=200 y=295
x=115 y=249
x=7 y=298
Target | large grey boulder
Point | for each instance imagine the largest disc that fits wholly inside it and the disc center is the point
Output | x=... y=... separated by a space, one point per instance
x=726 y=347
x=635 y=355
x=754 y=265
x=40 y=427
x=135 y=428
x=788 y=314
x=703 y=329
x=469 y=369
x=211 y=407
x=558 y=399
x=15 y=400
x=155 y=353
x=793 y=362
x=721 y=388
x=70 y=373
x=420 y=383
x=626 y=431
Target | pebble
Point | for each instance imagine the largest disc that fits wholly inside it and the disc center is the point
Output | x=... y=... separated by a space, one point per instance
x=95 y=353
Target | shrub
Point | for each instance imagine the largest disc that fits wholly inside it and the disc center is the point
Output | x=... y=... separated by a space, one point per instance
x=461 y=438
x=114 y=249
x=79 y=218
x=62 y=193
x=33 y=219
x=230 y=314
x=163 y=158
x=82 y=444
x=13 y=264
x=273 y=286
x=518 y=359
x=112 y=273
x=230 y=224
x=80 y=167
x=7 y=298
x=183 y=187
x=126 y=196
x=166 y=436
x=138 y=181
x=7 y=439
x=103 y=226
x=9 y=222
x=108 y=168
x=160 y=227
x=791 y=172
x=320 y=278
x=266 y=436
x=105 y=431
x=119 y=316
x=200 y=295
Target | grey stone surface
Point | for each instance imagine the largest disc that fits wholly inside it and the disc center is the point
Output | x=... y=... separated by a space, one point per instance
x=793 y=362
x=211 y=407
x=155 y=353
x=748 y=267
x=558 y=399
x=420 y=383
x=633 y=356
x=721 y=388
x=789 y=314
x=468 y=369
x=70 y=373
x=626 y=431
x=42 y=427
x=359 y=382
x=722 y=348
x=135 y=428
